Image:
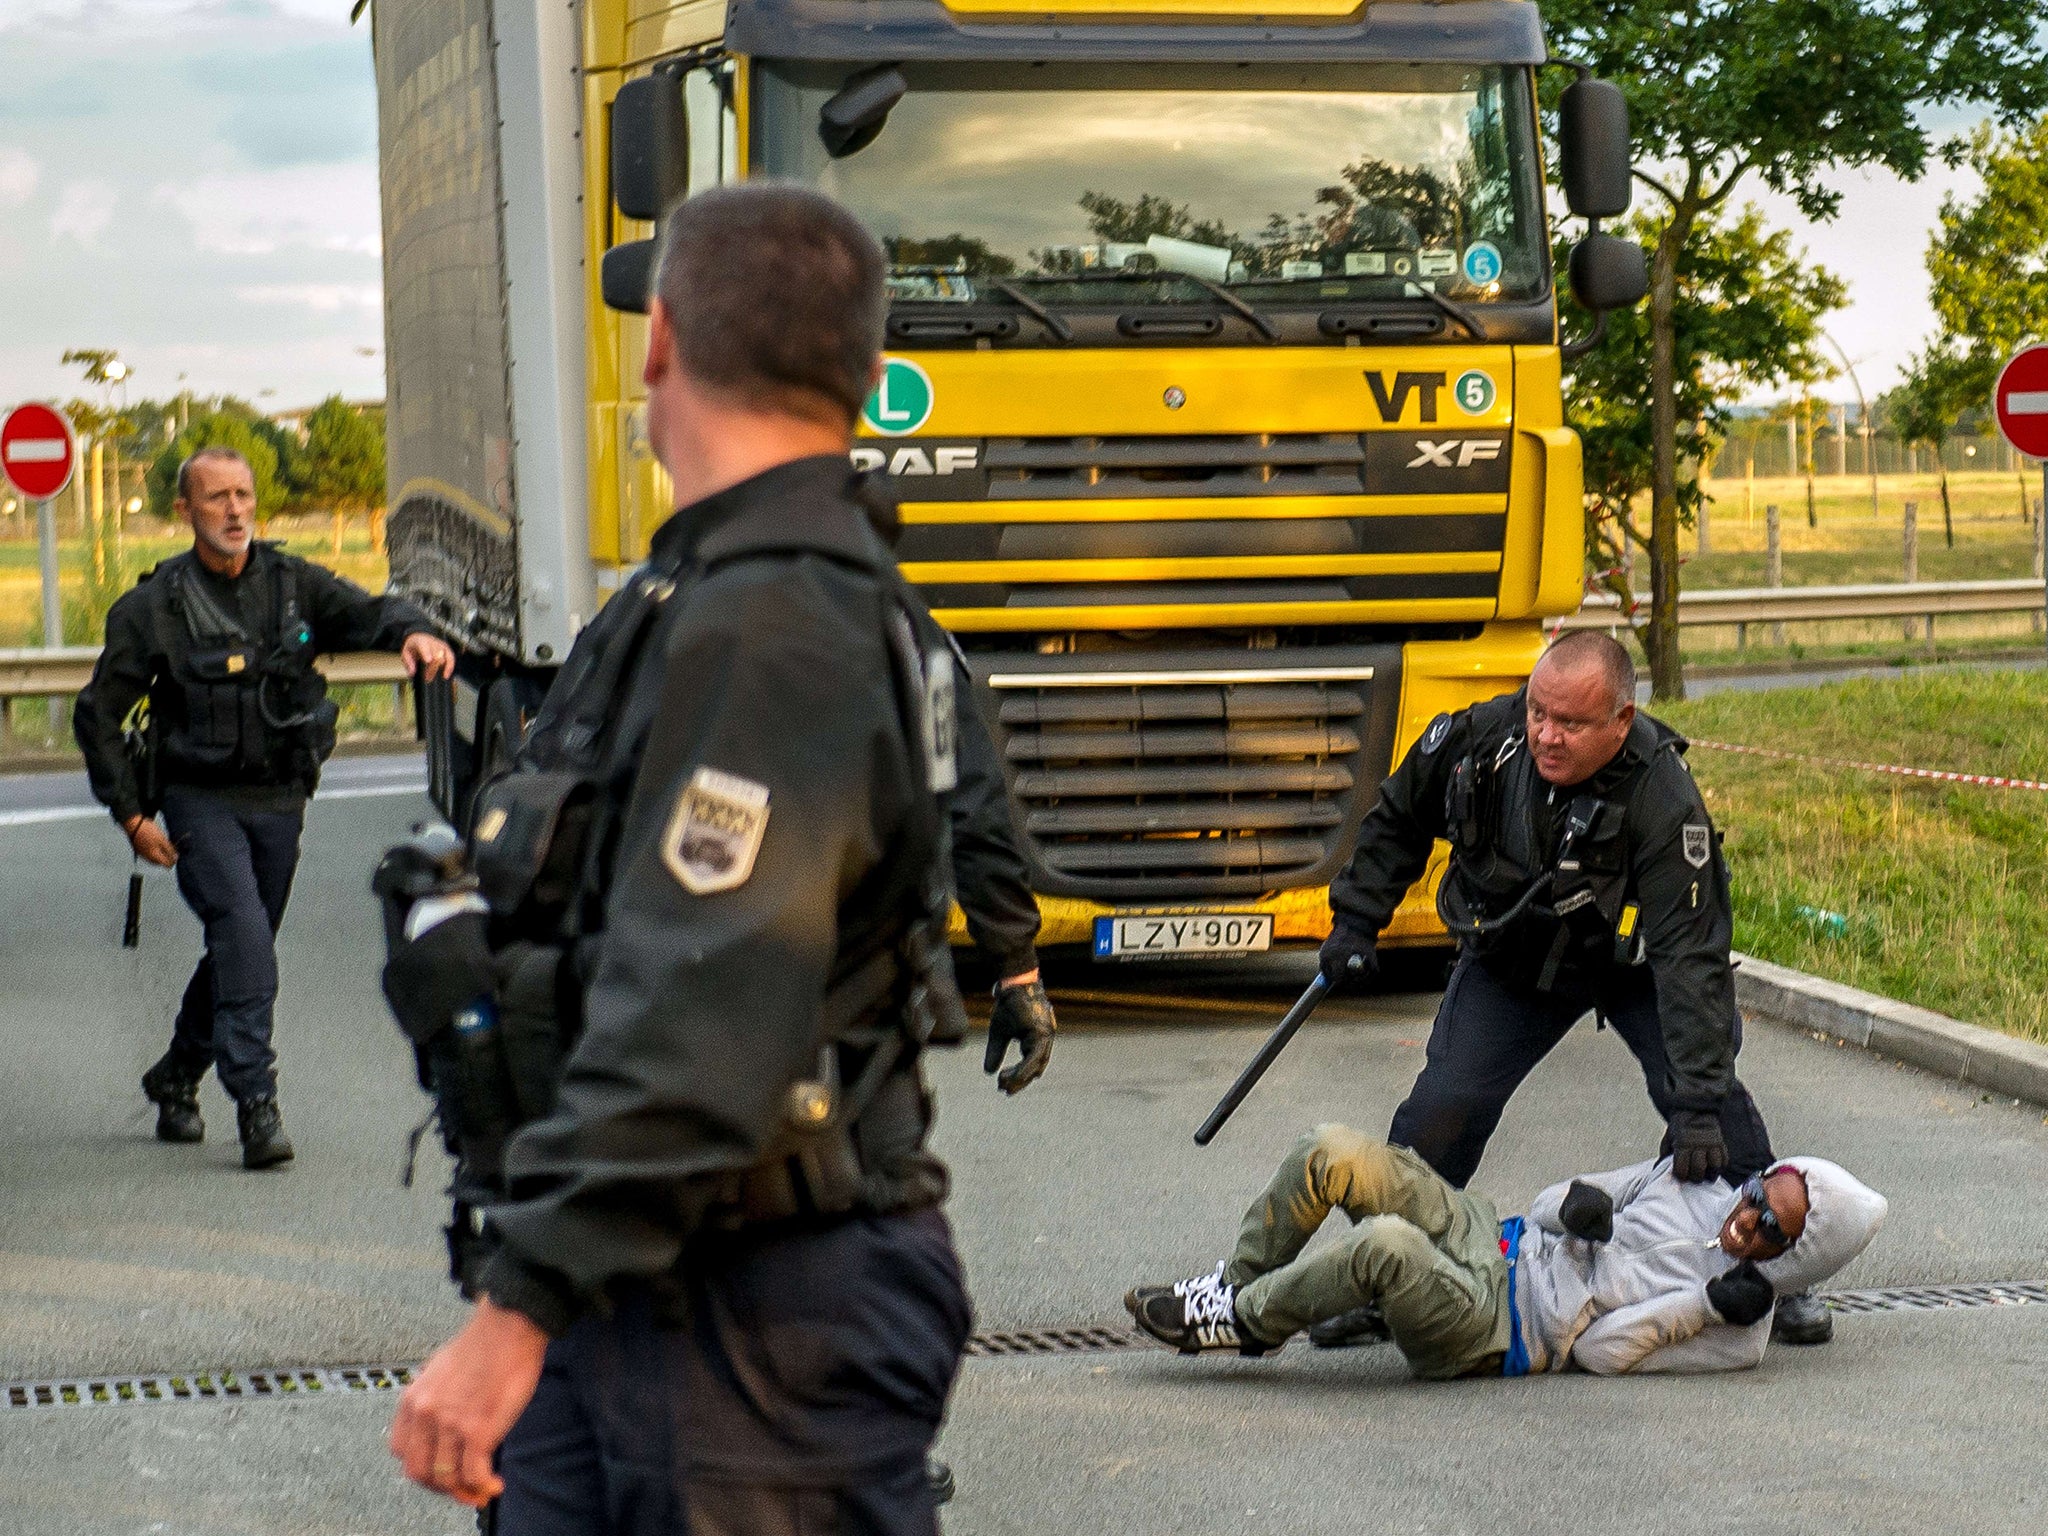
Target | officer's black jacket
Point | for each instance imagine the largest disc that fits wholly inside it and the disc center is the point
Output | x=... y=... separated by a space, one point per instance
x=135 y=659
x=701 y=1011
x=1675 y=874
x=990 y=878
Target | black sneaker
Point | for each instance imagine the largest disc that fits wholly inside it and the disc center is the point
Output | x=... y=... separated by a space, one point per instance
x=176 y=1098
x=1359 y=1328
x=1193 y=1315
x=1802 y=1319
x=264 y=1144
x=939 y=1478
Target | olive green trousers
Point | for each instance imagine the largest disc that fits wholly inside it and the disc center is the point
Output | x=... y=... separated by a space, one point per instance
x=1427 y=1255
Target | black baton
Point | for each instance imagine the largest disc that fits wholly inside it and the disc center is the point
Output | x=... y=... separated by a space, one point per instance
x=131 y=923
x=1276 y=1042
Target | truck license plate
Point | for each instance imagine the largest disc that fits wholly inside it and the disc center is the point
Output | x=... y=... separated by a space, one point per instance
x=1183 y=933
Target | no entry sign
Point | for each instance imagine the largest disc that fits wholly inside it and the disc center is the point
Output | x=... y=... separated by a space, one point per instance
x=2021 y=399
x=37 y=450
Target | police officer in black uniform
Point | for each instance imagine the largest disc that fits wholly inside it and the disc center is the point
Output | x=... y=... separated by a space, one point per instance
x=218 y=645
x=723 y=1298
x=1585 y=874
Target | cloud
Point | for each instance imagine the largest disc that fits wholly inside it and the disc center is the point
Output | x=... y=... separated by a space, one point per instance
x=324 y=297
x=84 y=210
x=260 y=213
x=19 y=174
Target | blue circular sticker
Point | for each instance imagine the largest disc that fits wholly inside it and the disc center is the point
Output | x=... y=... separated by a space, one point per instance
x=1482 y=262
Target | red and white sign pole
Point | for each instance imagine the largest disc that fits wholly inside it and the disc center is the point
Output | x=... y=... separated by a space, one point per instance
x=38 y=452
x=2020 y=399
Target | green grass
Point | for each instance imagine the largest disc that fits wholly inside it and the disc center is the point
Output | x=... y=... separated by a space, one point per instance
x=1940 y=886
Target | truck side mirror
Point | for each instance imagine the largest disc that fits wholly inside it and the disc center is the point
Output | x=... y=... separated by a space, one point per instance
x=650 y=146
x=1608 y=273
x=1593 y=151
x=626 y=274
x=853 y=118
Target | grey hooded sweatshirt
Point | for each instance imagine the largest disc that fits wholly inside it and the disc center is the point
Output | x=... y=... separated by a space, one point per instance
x=1639 y=1301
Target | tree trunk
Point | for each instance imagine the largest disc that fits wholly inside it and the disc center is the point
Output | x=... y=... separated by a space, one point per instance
x=1948 y=516
x=1660 y=636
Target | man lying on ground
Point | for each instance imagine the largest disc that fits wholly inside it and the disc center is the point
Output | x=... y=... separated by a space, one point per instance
x=1625 y=1271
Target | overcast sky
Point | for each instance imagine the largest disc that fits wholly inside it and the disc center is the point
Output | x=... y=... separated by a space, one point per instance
x=194 y=183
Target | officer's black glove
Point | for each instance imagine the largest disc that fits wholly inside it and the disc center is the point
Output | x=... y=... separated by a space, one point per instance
x=1021 y=1013
x=1742 y=1296
x=1697 y=1151
x=1350 y=954
x=1587 y=1212
x=430 y=979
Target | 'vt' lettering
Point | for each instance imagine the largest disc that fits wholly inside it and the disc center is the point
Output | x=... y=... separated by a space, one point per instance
x=1392 y=402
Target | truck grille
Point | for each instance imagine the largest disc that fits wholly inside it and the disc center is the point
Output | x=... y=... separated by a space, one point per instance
x=1086 y=469
x=1164 y=782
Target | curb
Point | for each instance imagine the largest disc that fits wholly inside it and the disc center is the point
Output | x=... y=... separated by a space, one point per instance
x=1920 y=1037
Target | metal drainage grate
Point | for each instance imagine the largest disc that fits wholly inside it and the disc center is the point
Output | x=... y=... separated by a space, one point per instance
x=1935 y=1298
x=349 y=1380
x=205 y=1386
x=1053 y=1341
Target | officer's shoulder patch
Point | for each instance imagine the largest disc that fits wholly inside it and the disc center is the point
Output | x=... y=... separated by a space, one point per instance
x=1696 y=842
x=1433 y=738
x=715 y=831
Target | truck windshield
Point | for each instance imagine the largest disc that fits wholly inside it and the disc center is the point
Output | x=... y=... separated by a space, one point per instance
x=1290 y=185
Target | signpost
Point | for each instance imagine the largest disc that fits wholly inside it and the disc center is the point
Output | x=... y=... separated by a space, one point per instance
x=37 y=455
x=2021 y=400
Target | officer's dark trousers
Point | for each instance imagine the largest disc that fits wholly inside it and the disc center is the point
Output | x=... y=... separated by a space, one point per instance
x=795 y=1393
x=235 y=868
x=1488 y=1037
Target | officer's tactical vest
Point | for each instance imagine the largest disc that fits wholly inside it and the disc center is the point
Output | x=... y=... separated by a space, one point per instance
x=544 y=842
x=247 y=708
x=1503 y=889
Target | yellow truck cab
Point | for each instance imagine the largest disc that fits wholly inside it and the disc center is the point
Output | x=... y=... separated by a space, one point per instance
x=1222 y=391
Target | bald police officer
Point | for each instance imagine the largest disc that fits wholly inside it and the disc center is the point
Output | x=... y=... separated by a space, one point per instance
x=1585 y=875
x=723 y=1297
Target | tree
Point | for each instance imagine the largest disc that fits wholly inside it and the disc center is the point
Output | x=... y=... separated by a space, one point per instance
x=1989 y=261
x=222 y=429
x=1786 y=90
x=1938 y=388
x=1746 y=317
x=341 y=465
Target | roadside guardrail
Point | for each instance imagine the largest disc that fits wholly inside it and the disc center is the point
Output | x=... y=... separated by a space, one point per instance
x=1786 y=605
x=61 y=672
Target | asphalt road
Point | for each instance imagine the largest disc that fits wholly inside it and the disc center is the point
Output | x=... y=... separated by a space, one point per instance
x=121 y=1255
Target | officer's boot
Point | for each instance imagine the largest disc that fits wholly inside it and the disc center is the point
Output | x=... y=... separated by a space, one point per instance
x=1802 y=1319
x=176 y=1098
x=263 y=1140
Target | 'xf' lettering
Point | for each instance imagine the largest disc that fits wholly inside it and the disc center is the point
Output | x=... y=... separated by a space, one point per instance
x=1474 y=450
x=1392 y=401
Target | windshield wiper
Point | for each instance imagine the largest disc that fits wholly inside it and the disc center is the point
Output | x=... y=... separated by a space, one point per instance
x=1457 y=312
x=1033 y=308
x=1217 y=291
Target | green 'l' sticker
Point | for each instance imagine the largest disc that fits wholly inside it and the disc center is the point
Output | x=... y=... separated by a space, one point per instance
x=902 y=402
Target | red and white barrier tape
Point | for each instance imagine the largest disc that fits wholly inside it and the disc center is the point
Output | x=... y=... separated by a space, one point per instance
x=1988 y=780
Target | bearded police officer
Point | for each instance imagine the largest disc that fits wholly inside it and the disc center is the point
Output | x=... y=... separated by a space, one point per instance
x=1585 y=874
x=217 y=646
x=722 y=1298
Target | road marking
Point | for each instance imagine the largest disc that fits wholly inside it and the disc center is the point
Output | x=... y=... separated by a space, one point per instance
x=39 y=817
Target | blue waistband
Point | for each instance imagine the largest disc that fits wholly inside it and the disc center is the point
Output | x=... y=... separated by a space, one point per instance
x=1517 y=1361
